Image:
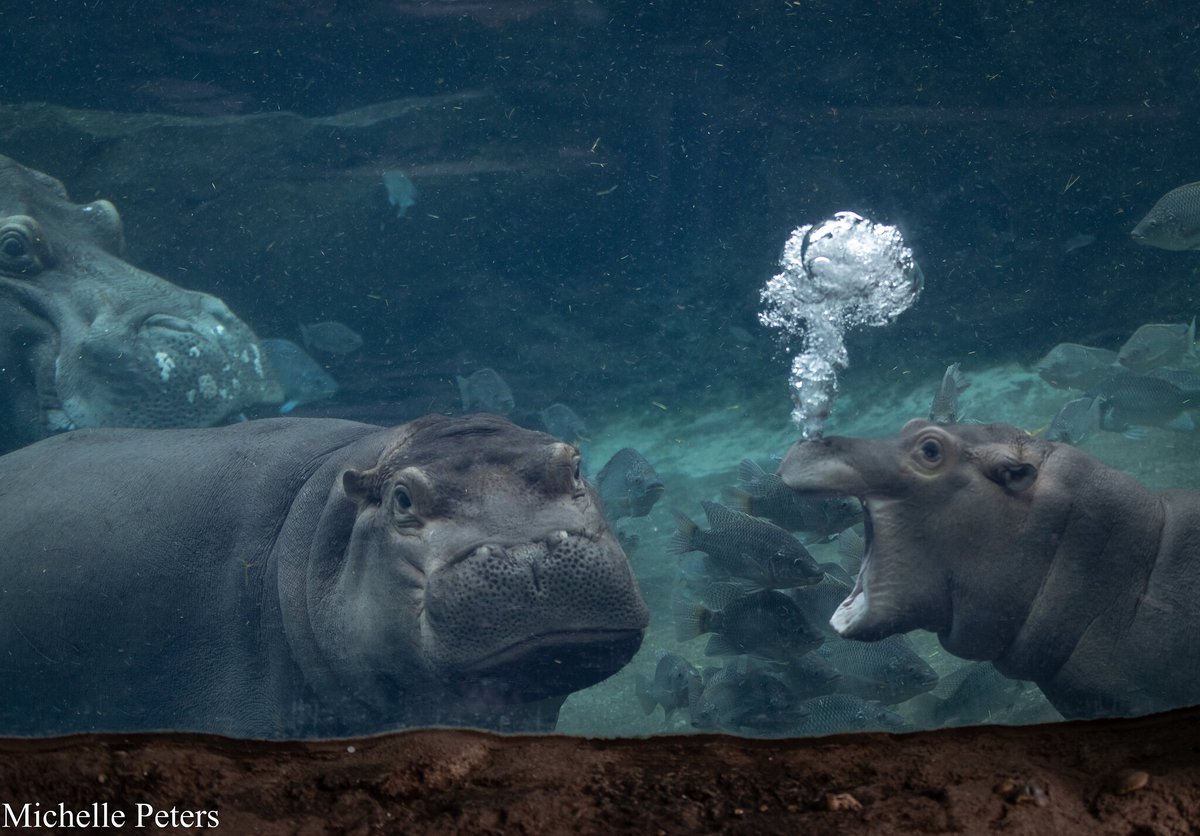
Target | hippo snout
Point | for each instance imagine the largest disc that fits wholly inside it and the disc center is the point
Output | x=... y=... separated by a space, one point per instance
x=566 y=597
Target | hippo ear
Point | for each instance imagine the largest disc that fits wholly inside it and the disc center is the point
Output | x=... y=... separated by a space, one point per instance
x=357 y=485
x=1010 y=473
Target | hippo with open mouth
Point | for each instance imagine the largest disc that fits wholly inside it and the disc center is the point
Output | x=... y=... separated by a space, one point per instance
x=1026 y=552
x=305 y=578
x=89 y=340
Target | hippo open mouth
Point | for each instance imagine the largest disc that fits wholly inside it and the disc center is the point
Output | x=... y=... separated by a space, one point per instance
x=898 y=587
x=854 y=609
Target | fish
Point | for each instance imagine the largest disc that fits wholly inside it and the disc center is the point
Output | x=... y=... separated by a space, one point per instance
x=763 y=494
x=485 y=391
x=888 y=671
x=1074 y=366
x=628 y=485
x=1186 y=379
x=747 y=548
x=944 y=409
x=842 y=713
x=819 y=601
x=1130 y=402
x=302 y=378
x=401 y=192
x=744 y=696
x=767 y=624
x=330 y=337
x=1078 y=241
x=1173 y=223
x=975 y=693
x=851 y=546
x=627 y=535
x=1077 y=420
x=1156 y=345
x=673 y=682
x=563 y=423
x=810 y=675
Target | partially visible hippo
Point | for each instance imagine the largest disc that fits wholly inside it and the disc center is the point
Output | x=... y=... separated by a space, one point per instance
x=1027 y=552
x=88 y=340
x=305 y=578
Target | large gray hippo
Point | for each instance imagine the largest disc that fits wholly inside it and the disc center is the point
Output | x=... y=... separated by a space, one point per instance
x=1027 y=552
x=88 y=340
x=304 y=577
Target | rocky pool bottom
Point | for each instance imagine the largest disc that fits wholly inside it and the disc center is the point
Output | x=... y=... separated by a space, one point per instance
x=1095 y=777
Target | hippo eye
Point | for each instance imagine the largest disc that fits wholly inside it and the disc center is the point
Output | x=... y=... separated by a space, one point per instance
x=403 y=498
x=22 y=249
x=577 y=478
x=15 y=254
x=931 y=450
x=14 y=244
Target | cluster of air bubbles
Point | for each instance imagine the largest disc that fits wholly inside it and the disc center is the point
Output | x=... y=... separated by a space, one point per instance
x=838 y=274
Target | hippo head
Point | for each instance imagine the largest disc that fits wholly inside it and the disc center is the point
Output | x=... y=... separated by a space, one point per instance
x=952 y=543
x=476 y=572
x=89 y=340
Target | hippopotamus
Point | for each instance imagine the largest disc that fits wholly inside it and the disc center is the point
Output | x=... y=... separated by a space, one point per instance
x=1030 y=553
x=292 y=577
x=89 y=340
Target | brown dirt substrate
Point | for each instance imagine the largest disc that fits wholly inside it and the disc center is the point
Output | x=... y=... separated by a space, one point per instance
x=1059 y=779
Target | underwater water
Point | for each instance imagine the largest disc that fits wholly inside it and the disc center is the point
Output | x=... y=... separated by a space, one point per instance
x=456 y=207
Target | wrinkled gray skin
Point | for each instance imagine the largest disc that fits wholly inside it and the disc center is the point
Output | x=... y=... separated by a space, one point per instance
x=305 y=578
x=1022 y=551
x=88 y=340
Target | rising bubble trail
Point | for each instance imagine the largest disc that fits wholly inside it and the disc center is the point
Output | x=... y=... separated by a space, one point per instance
x=838 y=274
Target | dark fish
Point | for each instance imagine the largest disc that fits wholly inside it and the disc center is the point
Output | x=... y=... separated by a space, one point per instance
x=1074 y=366
x=842 y=713
x=1077 y=420
x=1174 y=222
x=1129 y=402
x=628 y=485
x=1155 y=345
x=764 y=495
x=944 y=409
x=975 y=693
x=302 y=378
x=819 y=601
x=563 y=423
x=330 y=337
x=485 y=391
x=747 y=548
x=888 y=671
x=673 y=681
x=767 y=624
x=745 y=696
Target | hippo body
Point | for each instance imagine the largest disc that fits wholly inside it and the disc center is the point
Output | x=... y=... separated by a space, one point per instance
x=1026 y=552
x=304 y=578
x=88 y=340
